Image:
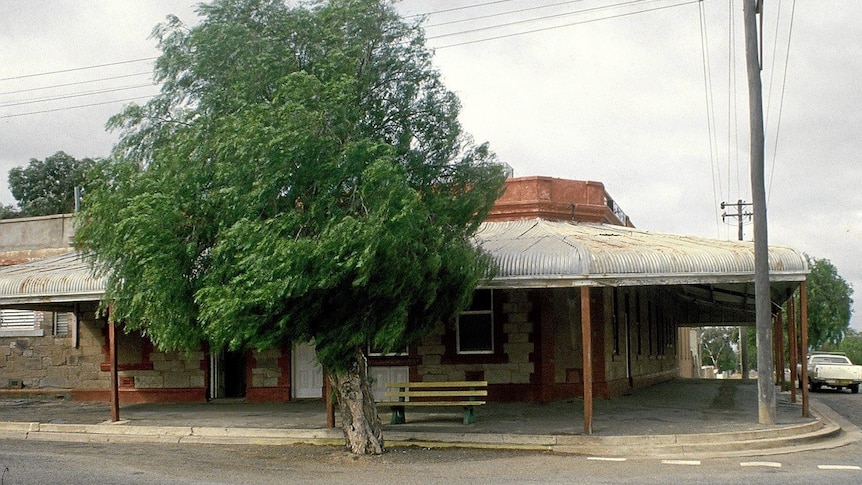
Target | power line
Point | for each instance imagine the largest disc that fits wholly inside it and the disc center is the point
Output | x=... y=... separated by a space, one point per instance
x=715 y=170
x=500 y=14
x=75 y=95
x=781 y=98
x=538 y=19
x=74 y=69
x=554 y=27
x=78 y=83
x=463 y=7
x=16 y=115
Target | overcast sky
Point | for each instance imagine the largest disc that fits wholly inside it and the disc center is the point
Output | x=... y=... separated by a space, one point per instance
x=615 y=91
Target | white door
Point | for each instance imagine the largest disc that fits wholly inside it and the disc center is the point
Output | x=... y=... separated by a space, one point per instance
x=216 y=375
x=380 y=376
x=307 y=373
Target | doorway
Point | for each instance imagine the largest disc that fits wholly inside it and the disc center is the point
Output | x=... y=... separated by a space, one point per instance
x=307 y=373
x=227 y=374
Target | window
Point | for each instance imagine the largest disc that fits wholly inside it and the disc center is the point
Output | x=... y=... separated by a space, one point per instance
x=375 y=352
x=475 y=327
x=61 y=324
x=20 y=323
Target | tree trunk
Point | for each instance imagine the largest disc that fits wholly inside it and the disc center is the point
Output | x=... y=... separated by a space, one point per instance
x=359 y=419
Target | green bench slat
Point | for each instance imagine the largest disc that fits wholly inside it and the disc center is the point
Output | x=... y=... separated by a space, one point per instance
x=474 y=393
x=442 y=384
x=431 y=403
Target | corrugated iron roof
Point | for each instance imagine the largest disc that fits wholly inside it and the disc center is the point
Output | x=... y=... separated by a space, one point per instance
x=543 y=253
x=66 y=278
x=530 y=253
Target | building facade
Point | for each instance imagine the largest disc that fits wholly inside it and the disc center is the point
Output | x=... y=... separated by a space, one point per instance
x=571 y=265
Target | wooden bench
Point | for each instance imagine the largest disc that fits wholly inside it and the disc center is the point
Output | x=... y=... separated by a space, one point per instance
x=458 y=393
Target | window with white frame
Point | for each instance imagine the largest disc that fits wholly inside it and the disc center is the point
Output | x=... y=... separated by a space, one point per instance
x=20 y=323
x=475 y=327
x=62 y=320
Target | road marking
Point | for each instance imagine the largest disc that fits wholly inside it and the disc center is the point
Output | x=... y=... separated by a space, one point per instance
x=771 y=464
x=681 y=462
x=605 y=458
x=838 y=467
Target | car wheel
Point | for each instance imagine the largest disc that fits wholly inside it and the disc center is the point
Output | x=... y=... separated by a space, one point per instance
x=854 y=388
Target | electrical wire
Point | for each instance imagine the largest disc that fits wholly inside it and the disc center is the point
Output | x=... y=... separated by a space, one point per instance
x=78 y=83
x=542 y=18
x=710 y=112
x=75 y=95
x=500 y=14
x=554 y=27
x=54 y=110
x=75 y=69
x=781 y=99
x=463 y=7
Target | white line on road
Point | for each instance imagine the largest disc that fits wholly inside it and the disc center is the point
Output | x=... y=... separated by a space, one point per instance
x=681 y=462
x=605 y=458
x=772 y=464
x=838 y=467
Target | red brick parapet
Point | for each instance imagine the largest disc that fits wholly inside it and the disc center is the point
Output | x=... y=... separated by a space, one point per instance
x=555 y=199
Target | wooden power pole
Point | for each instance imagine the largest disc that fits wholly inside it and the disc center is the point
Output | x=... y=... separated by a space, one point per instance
x=740 y=215
x=763 y=310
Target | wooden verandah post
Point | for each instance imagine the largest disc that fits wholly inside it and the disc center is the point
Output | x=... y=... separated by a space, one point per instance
x=793 y=344
x=112 y=351
x=587 y=351
x=778 y=339
x=803 y=346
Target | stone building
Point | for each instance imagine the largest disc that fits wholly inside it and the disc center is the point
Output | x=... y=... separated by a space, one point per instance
x=575 y=279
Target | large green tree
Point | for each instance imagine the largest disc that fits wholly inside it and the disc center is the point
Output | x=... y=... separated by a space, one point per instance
x=48 y=186
x=301 y=177
x=830 y=304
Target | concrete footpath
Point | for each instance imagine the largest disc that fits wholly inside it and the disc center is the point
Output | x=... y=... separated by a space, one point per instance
x=680 y=418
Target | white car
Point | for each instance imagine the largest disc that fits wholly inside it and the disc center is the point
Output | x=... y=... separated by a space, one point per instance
x=832 y=369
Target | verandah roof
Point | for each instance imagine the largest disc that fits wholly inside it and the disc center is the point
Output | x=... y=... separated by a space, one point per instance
x=547 y=253
x=56 y=280
x=530 y=254
x=712 y=281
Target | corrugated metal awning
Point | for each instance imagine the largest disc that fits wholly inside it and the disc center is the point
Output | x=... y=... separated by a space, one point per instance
x=530 y=254
x=540 y=253
x=60 y=279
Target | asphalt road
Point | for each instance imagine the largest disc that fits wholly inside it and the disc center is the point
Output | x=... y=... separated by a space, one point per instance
x=34 y=462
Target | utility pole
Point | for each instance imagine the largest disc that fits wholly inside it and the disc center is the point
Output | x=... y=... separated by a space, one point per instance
x=743 y=330
x=740 y=214
x=763 y=317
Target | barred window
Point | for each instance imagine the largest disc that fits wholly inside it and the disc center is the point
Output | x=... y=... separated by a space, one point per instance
x=20 y=323
x=61 y=324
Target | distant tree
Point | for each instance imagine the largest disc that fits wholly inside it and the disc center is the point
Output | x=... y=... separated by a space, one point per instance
x=47 y=186
x=302 y=177
x=830 y=304
x=851 y=345
x=8 y=212
x=718 y=346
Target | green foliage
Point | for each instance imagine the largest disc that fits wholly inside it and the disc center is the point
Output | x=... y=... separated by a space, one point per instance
x=851 y=345
x=9 y=212
x=830 y=304
x=47 y=186
x=718 y=346
x=301 y=176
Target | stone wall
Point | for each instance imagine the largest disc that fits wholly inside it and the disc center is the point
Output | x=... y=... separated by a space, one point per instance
x=53 y=361
x=511 y=362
